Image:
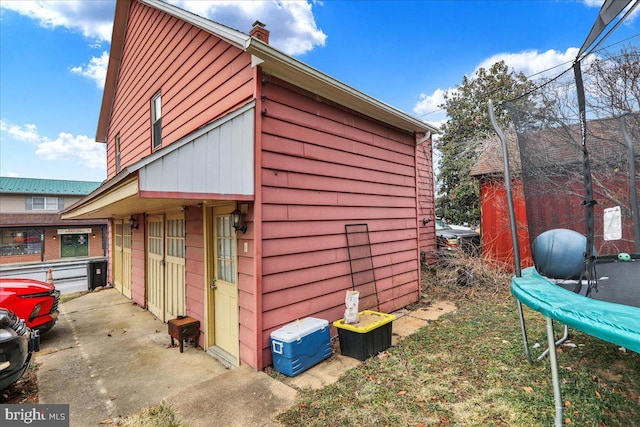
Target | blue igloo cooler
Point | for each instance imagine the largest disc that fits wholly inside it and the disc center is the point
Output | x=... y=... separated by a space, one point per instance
x=299 y=345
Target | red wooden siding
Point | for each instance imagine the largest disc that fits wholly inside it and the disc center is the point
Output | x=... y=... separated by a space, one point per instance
x=194 y=264
x=496 y=231
x=200 y=76
x=324 y=167
x=247 y=289
x=426 y=208
x=566 y=213
x=568 y=210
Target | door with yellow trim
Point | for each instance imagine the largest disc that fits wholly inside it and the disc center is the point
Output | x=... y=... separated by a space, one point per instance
x=126 y=259
x=174 y=267
x=155 y=265
x=222 y=292
x=117 y=254
x=122 y=256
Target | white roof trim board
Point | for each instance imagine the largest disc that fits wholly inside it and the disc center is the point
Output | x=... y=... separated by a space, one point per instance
x=228 y=34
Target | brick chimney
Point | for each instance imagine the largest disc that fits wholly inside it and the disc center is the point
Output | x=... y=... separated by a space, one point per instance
x=260 y=32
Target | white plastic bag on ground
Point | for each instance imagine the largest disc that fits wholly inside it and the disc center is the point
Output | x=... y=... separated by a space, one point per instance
x=351 y=302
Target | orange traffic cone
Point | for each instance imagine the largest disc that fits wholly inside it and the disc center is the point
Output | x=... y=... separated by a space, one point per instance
x=50 y=277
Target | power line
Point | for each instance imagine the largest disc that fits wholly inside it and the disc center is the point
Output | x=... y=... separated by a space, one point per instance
x=542 y=72
x=570 y=68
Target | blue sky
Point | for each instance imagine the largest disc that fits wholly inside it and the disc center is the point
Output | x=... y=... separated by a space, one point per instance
x=53 y=57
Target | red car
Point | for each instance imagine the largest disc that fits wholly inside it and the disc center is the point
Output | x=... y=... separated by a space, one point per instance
x=32 y=300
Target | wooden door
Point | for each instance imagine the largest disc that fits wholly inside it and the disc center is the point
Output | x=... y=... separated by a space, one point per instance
x=222 y=292
x=122 y=256
x=117 y=254
x=174 y=267
x=155 y=266
x=126 y=260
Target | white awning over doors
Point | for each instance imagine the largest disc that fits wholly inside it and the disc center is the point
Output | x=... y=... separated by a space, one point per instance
x=215 y=162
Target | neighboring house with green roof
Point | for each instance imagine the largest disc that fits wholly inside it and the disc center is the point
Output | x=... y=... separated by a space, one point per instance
x=30 y=224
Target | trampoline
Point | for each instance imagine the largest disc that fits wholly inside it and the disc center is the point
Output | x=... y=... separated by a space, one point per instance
x=609 y=321
x=580 y=173
x=618 y=280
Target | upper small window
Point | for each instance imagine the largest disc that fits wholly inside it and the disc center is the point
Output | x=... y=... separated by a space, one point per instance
x=45 y=204
x=117 y=153
x=156 y=120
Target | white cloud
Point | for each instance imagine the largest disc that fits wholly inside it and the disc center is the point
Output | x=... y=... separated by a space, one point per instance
x=96 y=69
x=69 y=147
x=429 y=103
x=428 y=106
x=538 y=65
x=94 y=19
x=291 y=23
x=27 y=133
x=65 y=147
x=593 y=3
x=533 y=63
x=301 y=32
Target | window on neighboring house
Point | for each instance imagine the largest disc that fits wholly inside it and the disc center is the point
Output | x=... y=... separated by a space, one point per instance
x=156 y=120
x=117 y=153
x=45 y=203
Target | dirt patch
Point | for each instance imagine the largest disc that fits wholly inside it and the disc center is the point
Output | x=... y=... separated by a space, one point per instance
x=613 y=373
x=435 y=310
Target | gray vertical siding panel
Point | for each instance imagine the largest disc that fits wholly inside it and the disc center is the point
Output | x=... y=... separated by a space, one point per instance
x=217 y=160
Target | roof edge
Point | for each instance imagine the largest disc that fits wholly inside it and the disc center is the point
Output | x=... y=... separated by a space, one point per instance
x=275 y=62
x=121 y=16
x=228 y=34
x=122 y=178
x=269 y=54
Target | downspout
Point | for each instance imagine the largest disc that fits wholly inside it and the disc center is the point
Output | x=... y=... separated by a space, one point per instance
x=420 y=139
x=428 y=183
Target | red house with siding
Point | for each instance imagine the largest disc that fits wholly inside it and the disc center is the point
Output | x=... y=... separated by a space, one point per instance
x=494 y=212
x=554 y=159
x=204 y=124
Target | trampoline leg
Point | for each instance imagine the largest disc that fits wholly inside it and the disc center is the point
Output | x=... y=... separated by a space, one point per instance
x=560 y=341
x=553 y=359
x=523 y=327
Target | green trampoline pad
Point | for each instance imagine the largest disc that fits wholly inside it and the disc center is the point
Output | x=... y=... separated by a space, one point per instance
x=615 y=323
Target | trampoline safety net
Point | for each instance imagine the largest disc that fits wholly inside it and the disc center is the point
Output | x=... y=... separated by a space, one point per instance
x=584 y=181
